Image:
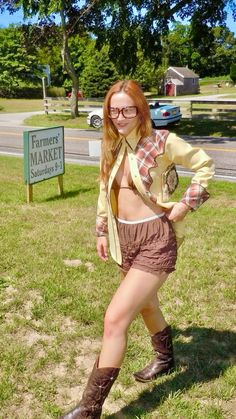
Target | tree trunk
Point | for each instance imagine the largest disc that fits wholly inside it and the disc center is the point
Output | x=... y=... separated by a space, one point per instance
x=69 y=67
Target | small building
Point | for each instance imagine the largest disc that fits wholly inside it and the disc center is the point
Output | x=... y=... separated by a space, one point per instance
x=180 y=81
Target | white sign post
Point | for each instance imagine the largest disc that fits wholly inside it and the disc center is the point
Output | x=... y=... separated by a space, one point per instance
x=44 y=157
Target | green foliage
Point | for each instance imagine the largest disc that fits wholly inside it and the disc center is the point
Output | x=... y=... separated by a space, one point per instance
x=209 y=52
x=233 y=72
x=125 y=27
x=213 y=53
x=81 y=50
x=21 y=92
x=145 y=72
x=177 y=45
x=53 y=91
x=98 y=75
x=18 y=64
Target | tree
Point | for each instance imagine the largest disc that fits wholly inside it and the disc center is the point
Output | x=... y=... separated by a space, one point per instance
x=99 y=74
x=82 y=48
x=48 y=50
x=72 y=20
x=147 y=74
x=223 y=51
x=123 y=25
x=18 y=63
x=145 y=23
x=177 y=45
x=211 y=57
x=233 y=72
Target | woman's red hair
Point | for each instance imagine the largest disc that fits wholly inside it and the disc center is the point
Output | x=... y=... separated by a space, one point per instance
x=110 y=133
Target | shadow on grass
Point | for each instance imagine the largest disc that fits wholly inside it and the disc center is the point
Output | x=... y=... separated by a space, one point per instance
x=206 y=127
x=205 y=356
x=70 y=194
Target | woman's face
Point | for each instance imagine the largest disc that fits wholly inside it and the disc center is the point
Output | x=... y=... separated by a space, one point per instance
x=123 y=104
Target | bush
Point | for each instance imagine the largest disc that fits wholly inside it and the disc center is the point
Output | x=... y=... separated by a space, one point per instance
x=56 y=91
x=33 y=92
x=21 y=92
x=233 y=73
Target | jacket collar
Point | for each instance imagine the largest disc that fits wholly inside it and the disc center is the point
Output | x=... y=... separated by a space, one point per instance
x=131 y=140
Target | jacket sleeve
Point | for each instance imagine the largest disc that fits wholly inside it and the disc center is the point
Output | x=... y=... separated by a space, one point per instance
x=101 y=219
x=182 y=153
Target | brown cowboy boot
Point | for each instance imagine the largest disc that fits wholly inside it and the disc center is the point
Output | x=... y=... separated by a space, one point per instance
x=95 y=393
x=164 y=360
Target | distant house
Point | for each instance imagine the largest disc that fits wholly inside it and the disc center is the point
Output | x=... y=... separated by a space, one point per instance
x=181 y=81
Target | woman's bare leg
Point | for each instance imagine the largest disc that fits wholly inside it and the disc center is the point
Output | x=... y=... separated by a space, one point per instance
x=153 y=316
x=133 y=294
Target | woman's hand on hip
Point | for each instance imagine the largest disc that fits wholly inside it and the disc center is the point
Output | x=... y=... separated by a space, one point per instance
x=102 y=248
x=178 y=212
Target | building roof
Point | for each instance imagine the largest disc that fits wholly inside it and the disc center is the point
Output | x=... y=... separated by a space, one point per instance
x=184 y=72
x=176 y=82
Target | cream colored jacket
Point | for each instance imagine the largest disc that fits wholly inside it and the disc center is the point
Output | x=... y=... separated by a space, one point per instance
x=152 y=163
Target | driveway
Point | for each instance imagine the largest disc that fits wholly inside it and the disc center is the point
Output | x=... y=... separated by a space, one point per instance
x=16 y=119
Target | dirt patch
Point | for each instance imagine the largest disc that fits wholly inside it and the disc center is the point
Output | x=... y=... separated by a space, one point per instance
x=60 y=370
x=230 y=409
x=67 y=325
x=74 y=263
x=9 y=294
x=32 y=337
x=25 y=409
x=88 y=349
x=67 y=397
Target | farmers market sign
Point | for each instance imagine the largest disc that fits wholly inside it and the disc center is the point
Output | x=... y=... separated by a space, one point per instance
x=43 y=154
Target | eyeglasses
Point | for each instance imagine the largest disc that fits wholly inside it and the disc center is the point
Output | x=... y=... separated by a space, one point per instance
x=128 y=112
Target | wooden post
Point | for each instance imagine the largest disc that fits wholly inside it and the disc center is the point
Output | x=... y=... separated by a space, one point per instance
x=46 y=106
x=45 y=95
x=60 y=184
x=29 y=191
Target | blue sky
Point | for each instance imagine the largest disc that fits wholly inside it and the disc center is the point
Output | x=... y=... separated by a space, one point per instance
x=6 y=19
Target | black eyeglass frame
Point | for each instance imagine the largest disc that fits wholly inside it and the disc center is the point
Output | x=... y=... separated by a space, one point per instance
x=121 y=110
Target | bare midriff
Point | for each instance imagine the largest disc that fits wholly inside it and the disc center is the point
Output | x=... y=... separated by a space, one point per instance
x=130 y=205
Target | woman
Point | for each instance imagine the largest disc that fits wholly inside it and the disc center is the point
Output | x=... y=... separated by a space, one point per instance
x=134 y=209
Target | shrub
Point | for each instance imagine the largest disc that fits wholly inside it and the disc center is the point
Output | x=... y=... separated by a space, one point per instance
x=21 y=92
x=233 y=73
x=56 y=91
x=32 y=92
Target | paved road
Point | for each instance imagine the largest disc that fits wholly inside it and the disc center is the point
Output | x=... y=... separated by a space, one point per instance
x=78 y=142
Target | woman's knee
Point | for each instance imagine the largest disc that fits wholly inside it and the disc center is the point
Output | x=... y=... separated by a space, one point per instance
x=115 y=323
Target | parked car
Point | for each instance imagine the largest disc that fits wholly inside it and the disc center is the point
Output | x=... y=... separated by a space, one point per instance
x=161 y=115
x=164 y=114
x=95 y=118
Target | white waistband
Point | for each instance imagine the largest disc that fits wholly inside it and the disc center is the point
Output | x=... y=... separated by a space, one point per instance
x=153 y=217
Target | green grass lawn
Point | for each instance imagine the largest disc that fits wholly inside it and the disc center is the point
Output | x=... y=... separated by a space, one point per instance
x=57 y=119
x=205 y=127
x=20 y=105
x=51 y=313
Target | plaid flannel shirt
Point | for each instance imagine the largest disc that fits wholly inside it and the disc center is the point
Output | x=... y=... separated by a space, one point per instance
x=152 y=165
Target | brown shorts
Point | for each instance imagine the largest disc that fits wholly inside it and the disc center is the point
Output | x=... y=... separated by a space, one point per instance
x=148 y=245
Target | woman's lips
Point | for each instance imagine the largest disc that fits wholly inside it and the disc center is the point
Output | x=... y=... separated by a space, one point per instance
x=122 y=125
